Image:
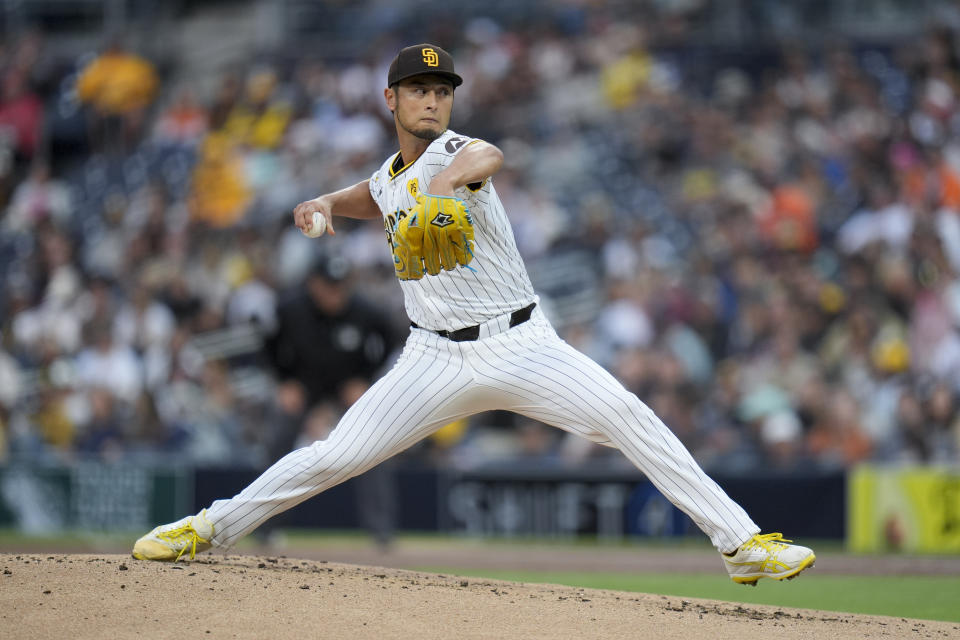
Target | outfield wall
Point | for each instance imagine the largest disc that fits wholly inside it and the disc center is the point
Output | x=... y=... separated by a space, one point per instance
x=873 y=508
x=912 y=508
x=504 y=501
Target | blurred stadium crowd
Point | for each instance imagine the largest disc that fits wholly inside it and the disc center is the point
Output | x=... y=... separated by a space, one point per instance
x=766 y=249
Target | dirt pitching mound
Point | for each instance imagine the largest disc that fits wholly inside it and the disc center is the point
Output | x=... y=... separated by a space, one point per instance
x=104 y=596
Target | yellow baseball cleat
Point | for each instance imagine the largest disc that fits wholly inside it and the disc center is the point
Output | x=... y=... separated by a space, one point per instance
x=767 y=556
x=170 y=541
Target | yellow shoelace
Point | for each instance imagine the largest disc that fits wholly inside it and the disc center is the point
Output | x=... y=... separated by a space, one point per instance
x=174 y=535
x=771 y=542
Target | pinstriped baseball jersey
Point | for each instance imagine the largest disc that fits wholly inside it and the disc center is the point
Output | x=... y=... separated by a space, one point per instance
x=496 y=281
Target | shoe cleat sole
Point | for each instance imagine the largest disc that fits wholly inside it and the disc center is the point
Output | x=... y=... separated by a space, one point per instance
x=752 y=581
x=808 y=563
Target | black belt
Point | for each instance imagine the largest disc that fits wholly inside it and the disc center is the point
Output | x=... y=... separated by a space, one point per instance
x=469 y=334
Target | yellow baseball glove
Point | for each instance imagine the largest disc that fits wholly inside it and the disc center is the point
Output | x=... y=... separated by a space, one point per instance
x=438 y=234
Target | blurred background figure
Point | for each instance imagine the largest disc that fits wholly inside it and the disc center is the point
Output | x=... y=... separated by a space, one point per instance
x=330 y=344
x=118 y=87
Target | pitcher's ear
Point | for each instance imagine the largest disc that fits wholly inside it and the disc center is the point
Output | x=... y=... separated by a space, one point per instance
x=390 y=95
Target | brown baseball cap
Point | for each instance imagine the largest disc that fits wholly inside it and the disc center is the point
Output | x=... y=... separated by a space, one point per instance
x=422 y=59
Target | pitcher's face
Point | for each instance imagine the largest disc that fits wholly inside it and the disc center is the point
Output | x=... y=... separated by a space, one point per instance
x=422 y=105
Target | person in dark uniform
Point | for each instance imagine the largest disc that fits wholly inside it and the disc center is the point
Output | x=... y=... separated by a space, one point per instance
x=328 y=347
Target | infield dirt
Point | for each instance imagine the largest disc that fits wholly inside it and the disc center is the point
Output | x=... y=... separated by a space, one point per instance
x=98 y=596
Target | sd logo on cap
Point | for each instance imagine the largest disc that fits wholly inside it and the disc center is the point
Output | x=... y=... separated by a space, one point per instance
x=430 y=57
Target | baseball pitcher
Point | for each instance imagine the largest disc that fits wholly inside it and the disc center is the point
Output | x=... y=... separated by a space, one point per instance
x=478 y=341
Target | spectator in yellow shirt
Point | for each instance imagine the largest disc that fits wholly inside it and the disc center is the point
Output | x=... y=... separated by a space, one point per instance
x=260 y=119
x=118 y=87
x=219 y=193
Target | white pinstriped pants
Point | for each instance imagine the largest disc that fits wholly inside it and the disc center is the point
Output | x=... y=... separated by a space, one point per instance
x=527 y=369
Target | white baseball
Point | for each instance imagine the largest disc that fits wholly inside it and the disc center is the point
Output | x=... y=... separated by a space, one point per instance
x=319 y=226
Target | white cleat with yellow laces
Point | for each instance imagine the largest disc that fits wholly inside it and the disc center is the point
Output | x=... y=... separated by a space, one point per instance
x=767 y=556
x=170 y=541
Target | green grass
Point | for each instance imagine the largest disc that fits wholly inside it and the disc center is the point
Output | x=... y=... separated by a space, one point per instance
x=930 y=598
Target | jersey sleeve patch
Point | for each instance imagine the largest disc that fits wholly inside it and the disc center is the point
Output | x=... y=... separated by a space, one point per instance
x=455 y=143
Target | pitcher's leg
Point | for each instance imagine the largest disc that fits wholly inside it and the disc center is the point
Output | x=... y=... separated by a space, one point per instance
x=553 y=382
x=403 y=407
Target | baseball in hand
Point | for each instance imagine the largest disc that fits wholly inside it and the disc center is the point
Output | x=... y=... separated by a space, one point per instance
x=319 y=226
